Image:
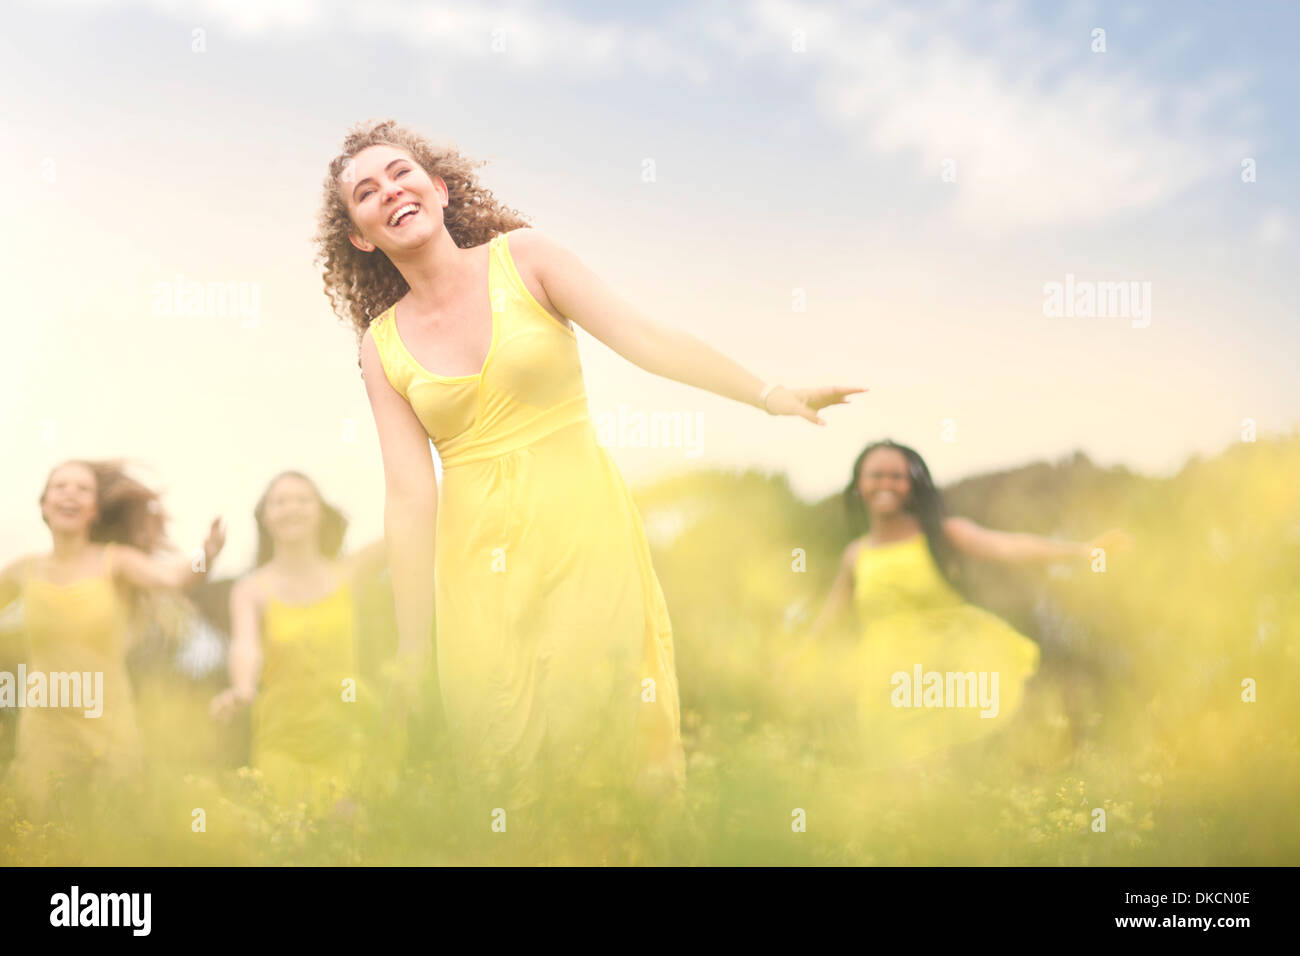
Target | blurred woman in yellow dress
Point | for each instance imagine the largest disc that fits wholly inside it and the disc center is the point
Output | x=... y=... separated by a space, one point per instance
x=555 y=652
x=79 y=609
x=293 y=651
x=928 y=670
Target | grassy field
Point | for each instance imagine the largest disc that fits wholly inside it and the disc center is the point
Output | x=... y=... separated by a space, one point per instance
x=1141 y=707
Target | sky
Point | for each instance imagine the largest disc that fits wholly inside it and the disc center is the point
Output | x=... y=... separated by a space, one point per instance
x=868 y=194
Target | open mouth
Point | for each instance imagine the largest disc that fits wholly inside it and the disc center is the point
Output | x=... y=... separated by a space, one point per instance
x=403 y=214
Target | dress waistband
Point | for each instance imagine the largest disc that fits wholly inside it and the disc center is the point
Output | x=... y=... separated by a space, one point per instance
x=573 y=413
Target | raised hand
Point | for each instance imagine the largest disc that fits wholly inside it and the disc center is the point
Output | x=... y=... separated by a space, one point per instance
x=216 y=540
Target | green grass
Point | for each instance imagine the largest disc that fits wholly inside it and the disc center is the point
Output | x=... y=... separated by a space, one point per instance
x=1137 y=710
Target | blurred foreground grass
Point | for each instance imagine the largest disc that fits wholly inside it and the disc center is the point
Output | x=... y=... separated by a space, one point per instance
x=1138 y=708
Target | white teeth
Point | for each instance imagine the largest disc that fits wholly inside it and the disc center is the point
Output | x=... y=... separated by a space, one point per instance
x=392 y=220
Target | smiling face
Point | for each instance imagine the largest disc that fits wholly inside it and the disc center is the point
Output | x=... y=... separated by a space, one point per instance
x=70 y=502
x=393 y=202
x=883 y=482
x=292 y=511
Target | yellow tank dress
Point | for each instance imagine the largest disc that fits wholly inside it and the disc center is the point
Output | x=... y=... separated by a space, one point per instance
x=553 y=639
x=80 y=627
x=307 y=715
x=930 y=666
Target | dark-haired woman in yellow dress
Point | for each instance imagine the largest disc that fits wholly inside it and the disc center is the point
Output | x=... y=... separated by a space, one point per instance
x=293 y=654
x=930 y=670
x=554 y=645
x=79 y=604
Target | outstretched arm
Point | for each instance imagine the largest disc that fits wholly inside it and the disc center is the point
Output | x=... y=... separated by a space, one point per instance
x=148 y=572
x=245 y=658
x=579 y=294
x=1016 y=548
x=840 y=597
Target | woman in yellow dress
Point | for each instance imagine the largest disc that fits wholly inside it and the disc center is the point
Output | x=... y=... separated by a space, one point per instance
x=929 y=670
x=79 y=616
x=293 y=653
x=554 y=644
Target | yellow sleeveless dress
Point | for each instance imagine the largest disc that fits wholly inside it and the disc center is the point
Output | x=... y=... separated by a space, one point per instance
x=80 y=627
x=554 y=645
x=306 y=717
x=933 y=670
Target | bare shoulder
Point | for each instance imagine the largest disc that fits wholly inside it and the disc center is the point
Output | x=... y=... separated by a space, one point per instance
x=537 y=253
x=250 y=589
x=537 y=258
x=122 y=557
x=369 y=347
x=852 y=550
x=529 y=242
x=15 y=570
x=374 y=372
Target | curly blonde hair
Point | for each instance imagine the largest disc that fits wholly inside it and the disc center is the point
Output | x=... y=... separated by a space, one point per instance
x=362 y=285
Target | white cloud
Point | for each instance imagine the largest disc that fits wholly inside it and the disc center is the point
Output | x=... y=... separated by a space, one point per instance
x=528 y=37
x=240 y=16
x=1042 y=130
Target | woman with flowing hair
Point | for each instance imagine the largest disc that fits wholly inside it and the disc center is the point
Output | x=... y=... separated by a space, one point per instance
x=554 y=645
x=82 y=603
x=912 y=623
x=293 y=654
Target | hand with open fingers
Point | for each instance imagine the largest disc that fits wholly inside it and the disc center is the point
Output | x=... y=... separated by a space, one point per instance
x=216 y=540
x=228 y=703
x=806 y=402
x=403 y=698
